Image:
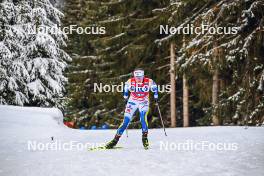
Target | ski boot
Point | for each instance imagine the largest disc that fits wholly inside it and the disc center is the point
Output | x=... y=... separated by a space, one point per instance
x=113 y=142
x=145 y=140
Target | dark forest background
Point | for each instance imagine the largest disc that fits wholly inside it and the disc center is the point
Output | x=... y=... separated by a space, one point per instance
x=132 y=40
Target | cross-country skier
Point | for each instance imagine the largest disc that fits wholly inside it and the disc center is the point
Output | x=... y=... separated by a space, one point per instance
x=139 y=87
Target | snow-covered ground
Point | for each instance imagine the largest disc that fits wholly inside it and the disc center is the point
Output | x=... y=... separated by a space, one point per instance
x=243 y=154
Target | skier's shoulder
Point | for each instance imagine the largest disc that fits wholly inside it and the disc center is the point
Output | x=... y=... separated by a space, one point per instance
x=149 y=80
x=129 y=80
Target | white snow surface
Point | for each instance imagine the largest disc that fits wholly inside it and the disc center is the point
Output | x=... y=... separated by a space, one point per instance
x=18 y=125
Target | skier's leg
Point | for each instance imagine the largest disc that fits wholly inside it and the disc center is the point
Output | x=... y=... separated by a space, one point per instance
x=131 y=107
x=119 y=133
x=144 y=121
x=143 y=110
x=123 y=126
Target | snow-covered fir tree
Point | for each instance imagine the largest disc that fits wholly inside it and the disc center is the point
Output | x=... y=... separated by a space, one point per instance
x=238 y=57
x=32 y=60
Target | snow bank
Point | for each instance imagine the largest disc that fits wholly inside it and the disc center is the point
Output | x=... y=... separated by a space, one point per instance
x=244 y=154
x=32 y=114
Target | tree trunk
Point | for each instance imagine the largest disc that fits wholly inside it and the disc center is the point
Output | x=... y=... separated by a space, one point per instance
x=185 y=97
x=215 y=88
x=173 y=85
x=185 y=102
x=214 y=96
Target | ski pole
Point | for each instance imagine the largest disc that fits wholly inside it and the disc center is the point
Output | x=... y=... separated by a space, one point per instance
x=128 y=124
x=161 y=119
x=126 y=133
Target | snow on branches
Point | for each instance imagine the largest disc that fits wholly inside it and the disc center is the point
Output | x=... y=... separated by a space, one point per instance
x=238 y=55
x=32 y=59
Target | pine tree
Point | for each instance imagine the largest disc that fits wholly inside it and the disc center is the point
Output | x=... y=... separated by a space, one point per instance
x=32 y=61
x=133 y=40
x=131 y=29
x=82 y=102
x=239 y=65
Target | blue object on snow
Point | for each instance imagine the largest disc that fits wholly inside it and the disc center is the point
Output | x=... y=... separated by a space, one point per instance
x=93 y=127
x=105 y=127
x=82 y=128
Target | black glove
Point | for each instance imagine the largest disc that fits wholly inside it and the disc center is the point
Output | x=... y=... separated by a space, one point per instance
x=125 y=100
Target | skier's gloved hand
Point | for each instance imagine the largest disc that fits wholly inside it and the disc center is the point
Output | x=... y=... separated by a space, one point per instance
x=156 y=101
x=156 y=98
x=125 y=97
x=125 y=100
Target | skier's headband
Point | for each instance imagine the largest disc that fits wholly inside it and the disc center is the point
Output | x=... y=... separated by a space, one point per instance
x=138 y=73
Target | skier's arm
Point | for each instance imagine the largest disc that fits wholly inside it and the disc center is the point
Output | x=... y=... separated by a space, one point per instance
x=154 y=89
x=126 y=89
